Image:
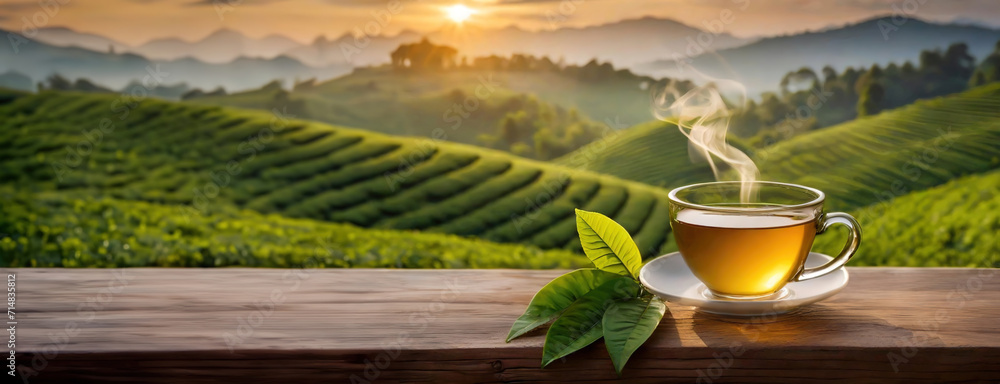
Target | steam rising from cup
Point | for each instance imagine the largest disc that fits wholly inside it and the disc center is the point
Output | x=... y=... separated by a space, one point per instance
x=702 y=116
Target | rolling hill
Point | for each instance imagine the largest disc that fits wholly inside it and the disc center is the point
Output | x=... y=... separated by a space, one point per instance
x=954 y=224
x=654 y=153
x=384 y=100
x=761 y=65
x=347 y=100
x=900 y=173
x=202 y=159
x=857 y=163
x=888 y=155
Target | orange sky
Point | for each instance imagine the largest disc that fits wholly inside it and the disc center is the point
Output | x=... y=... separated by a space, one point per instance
x=137 y=21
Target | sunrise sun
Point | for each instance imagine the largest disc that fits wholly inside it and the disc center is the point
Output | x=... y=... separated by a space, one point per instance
x=458 y=12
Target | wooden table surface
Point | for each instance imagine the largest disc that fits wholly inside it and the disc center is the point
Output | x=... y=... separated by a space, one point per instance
x=901 y=325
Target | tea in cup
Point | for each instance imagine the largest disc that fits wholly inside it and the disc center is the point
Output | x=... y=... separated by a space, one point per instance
x=746 y=240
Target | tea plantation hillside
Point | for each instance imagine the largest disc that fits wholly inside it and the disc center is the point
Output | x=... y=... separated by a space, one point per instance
x=956 y=224
x=59 y=230
x=399 y=102
x=654 y=153
x=409 y=111
x=206 y=159
x=885 y=156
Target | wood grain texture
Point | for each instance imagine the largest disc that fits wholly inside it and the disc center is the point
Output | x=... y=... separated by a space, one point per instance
x=901 y=325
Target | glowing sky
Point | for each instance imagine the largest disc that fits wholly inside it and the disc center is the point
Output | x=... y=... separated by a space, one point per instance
x=137 y=21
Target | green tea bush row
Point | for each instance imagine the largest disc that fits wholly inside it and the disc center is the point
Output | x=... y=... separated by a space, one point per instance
x=61 y=231
x=539 y=217
x=421 y=188
x=956 y=224
x=304 y=169
x=609 y=199
x=656 y=230
x=315 y=191
x=449 y=207
x=500 y=211
x=173 y=153
x=322 y=147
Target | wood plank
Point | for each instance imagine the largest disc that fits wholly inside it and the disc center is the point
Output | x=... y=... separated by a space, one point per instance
x=371 y=325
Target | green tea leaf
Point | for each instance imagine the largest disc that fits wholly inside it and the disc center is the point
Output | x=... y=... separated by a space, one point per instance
x=556 y=296
x=580 y=324
x=628 y=324
x=607 y=244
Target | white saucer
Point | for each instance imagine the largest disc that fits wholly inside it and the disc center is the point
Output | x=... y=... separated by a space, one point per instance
x=669 y=278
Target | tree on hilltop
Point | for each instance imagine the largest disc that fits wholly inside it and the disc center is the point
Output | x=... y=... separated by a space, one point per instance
x=423 y=55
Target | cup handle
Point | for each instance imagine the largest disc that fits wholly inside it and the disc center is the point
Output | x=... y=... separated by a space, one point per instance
x=853 y=241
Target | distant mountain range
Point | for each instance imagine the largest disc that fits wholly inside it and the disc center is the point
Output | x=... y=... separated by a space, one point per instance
x=376 y=50
x=624 y=43
x=221 y=46
x=761 y=65
x=647 y=45
x=66 y=37
x=37 y=60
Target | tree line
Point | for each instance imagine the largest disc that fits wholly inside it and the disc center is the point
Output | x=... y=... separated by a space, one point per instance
x=426 y=56
x=807 y=100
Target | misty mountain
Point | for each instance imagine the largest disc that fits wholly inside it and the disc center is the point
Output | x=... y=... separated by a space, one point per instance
x=221 y=46
x=623 y=43
x=38 y=60
x=66 y=37
x=761 y=65
x=347 y=50
x=16 y=80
